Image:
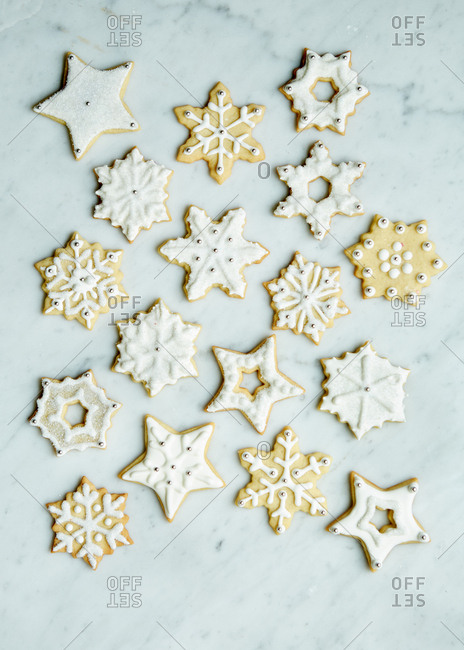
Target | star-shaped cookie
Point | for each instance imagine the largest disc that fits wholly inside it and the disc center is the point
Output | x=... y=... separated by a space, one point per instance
x=90 y=103
x=213 y=253
x=220 y=133
x=274 y=386
x=174 y=463
x=402 y=527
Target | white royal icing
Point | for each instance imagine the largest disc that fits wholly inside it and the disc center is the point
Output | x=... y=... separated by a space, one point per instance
x=156 y=348
x=214 y=253
x=133 y=193
x=174 y=464
x=318 y=214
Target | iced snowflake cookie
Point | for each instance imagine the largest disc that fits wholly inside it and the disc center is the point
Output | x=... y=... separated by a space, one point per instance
x=395 y=260
x=213 y=253
x=401 y=527
x=89 y=523
x=80 y=280
x=90 y=103
x=283 y=481
x=339 y=199
x=174 y=464
x=57 y=397
x=156 y=348
x=133 y=193
x=306 y=298
x=334 y=113
x=273 y=386
x=363 y=390
x=220 y=133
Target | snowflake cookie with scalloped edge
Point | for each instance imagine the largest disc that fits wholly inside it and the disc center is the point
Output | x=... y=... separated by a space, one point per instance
x=80 y=280
x=284 y=480
x=58 y=395
x=311 y=111
x=89 y=523
x=339 y=200
x=156 y=348
x=133 y=193
x=220 y=133
x=306 y=298
x=395 y=260
x=363 y=389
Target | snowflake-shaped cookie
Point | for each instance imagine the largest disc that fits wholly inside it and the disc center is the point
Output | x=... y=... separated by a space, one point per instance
x=90 y=103
x=220 y=133
x=89 y=523
x=306 y=298
x=395 y=260
x=274 y=386
x=156 y=348
x=402 y=527
x=82 y=281
x=174 y=464
x=332 y=114
x=56 y=398
x=213 y=253
x=339 y=200
x=284 y=481
x=363 y=389
x=133 y=193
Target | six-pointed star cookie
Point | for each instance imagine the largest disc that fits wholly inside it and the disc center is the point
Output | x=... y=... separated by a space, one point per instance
x=402 y=527
x=89 y=523
x=214 y=253
x=133 y=193
x=363 y=389
x=52 y=408
x=284 y=481
x=274 y=385
x=174 y=463
x=156 y=348
x=339 y=199
x=80 y=280
x=332 y=114
x=220 y=133
x=90 y=103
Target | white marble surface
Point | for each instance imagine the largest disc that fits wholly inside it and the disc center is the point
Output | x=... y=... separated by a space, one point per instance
x=218 y=577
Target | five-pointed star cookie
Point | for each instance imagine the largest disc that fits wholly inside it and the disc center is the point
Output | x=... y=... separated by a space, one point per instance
x=90 y=103
x=220 y=133
x=334 y=113
x=363 y=389
x=89 y=523
x=156 y=348
x=402 y=527
x=274 y=386
x=213 y=253
x=174 y=463
x=339 y=199
x=283 y=481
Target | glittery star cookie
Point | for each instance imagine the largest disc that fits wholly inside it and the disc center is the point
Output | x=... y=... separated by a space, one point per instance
x=395 y=260
x=306 y=298
x=368 y=498
x=213 y=253
x=339 y=199
x=283 y=481
x=363 y=390
x=133 y=193
x=220 y=133
x=174 y=464
x=57 y=397
x=90 y=103
x=80 y=280
x=274 y=385
x=89 y=523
